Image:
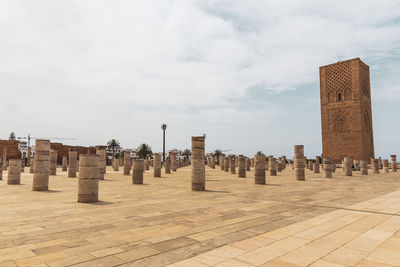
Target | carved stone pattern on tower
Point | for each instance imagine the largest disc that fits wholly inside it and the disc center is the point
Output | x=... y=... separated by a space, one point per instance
x=365 y=82
x=338 y=82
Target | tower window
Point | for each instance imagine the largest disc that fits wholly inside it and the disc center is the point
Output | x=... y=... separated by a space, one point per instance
x=339 y=97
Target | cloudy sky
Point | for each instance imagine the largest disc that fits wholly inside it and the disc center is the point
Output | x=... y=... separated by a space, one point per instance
x=246 y=73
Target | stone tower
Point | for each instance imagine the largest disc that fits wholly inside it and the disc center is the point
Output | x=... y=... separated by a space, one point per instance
x=346 y=111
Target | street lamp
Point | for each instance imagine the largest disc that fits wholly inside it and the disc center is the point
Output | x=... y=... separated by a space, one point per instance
x=163 y=127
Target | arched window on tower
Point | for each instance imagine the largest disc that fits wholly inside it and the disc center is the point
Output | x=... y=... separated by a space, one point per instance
x=339 y=97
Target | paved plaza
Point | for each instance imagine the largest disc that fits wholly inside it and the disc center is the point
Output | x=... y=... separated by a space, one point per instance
x=343 y=221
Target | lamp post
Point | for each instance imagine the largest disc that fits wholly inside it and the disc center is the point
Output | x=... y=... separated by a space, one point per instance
x=163 y=127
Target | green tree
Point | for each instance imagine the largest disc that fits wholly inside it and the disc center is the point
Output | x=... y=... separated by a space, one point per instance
x=12 y=136
x=113 y=145
x=143 y=151
x=186 y=153
x=217 y=153
x=260 y=153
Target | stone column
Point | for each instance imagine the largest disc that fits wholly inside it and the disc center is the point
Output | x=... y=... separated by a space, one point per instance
x=4 y=158
x=22 y=165
x=14 y=171
x=241 y=167
x=233 y=164
x=311 y=165
x=248 y=163
x=316 y=167
x=167 y=165
x=72 y=161
x=299 y=162
x=174 y=162
x=222 y=161
x=252 y=162
x=385 y=164
x=137 y=171
x=272 y=166
x=212 y=162
x=88 y=188
x=31 y=167
x=127 y=162
x=41 y=167
x=157 y=165
x=101 y=151
x=64 y=164
x=198 y=167
x=226 y=164
x=380 y=163
x=53 y=162
x=259 y=169
x=1 y=169
x=116 y=164
x=394 y=163
x=348 y=166
x=364 y=167
x=29 y=157
x=147 y=164
x=375 y=166
x=327 y=168
x=284 y=162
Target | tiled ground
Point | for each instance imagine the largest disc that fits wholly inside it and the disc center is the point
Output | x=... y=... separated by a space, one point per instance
x=323 y=222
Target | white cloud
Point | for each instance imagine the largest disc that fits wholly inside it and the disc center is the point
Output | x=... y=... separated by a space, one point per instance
x=133 y=64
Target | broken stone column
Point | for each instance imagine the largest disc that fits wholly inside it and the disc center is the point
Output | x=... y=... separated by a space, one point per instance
x=64 y=165
x=127 y=162
x=385 y=164
x=41 y=167
x=1 y=169
x=375 y=166
x=4 y=158
x=233 y=164
x=252 y=162
x=147 y=164
x=167 y=165
x=241 y=167
x=88 y=187
x=364 y=167
x=348 y=166
x=157 y=165
x=394 y=163
x=212 y=162
x=116 y=164
x=174 y=162
x=14 y=171
x=226 y=164
x=380 y=163
x=259 y=169
x=248 y=163
x=299 y=162
x=31 y=167
x=137 y=171
x=53 y=162
x=222 y=161
x=72 y=163
x=198 y=167
x=101 y=151
x=272 y=166
x=327 y=168
x=311 y=165
x=316 y=167
x=22 y=165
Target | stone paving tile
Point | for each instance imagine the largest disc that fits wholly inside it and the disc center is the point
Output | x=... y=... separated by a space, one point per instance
x=163 y=222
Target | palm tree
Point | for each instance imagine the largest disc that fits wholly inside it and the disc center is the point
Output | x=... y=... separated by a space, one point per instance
x=163 y=127
x=260 y=153
x=217 y=153
x=186 y=153
x=113 y=145
x=143 y=151
x=12 y=136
